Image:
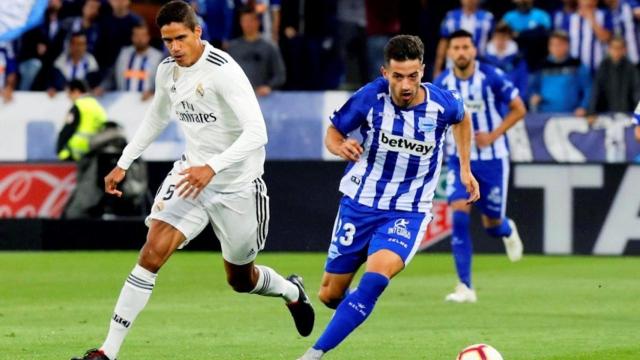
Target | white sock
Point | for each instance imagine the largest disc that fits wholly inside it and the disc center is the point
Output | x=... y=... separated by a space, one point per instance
x=270 y=283
x=133 y=298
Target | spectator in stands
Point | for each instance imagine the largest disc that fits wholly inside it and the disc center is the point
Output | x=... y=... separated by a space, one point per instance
x=115 y=33
x=502 y=52
x=616 y=87
x=87 y=23
x=469 y=17
x=259 y=58
x=589 y=30
x=8 y=71
x=531 y=26
x=75 y=64
x=563 y=83
x=135 y=68
x=269 y=12
x=85 y=119
x=569 y=8
x=218 y=15
x=309 y=45
x=625 y=14
x=196 y=5
x=39 y=48
x=383 y=22
x=352 y=22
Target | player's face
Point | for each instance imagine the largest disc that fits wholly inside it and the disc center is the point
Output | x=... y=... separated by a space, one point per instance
x=183 y=44
x=404 y=80
x=462 y=52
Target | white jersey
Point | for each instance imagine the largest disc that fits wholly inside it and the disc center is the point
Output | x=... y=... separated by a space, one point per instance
x=218 y=112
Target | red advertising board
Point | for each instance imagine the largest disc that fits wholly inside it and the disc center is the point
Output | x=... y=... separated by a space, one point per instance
x=35 y=190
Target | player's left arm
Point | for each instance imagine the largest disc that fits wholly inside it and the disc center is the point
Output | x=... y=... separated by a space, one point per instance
x=504 y=90
x=462 y=136
x=232 y=84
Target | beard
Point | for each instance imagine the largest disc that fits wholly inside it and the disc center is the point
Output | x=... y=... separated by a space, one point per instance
x=462 y=64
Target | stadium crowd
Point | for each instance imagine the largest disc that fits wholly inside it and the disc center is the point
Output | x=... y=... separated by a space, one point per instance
x=575 y=56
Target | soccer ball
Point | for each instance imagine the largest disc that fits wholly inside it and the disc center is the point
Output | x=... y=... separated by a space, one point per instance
x=479 y=352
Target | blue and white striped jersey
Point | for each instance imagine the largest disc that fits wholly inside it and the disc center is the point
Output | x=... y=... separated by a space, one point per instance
x=403 y=147
x=484 y=94
x=624 y=24
x=480 y=24
x=583 y=43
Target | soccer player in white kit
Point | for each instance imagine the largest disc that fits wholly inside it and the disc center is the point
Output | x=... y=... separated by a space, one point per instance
x=217 y=180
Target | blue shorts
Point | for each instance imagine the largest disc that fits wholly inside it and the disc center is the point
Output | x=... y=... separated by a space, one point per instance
x=493 y=177
x=360 y=231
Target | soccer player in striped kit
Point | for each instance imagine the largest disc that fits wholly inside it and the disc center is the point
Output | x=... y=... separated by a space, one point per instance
x=389 y=183
x=485 y=90
x=218 y=180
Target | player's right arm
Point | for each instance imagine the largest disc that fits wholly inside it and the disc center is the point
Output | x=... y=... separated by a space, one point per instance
x=343 y=121
x=154 y=122
x=338 y=144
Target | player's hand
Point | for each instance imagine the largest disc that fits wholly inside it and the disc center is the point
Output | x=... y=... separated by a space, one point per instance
x=112 y=180
x=471 y=184
x=484 y=139
x=350 y=149
x=195 y=179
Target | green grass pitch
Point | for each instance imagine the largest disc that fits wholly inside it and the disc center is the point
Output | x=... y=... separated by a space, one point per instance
x=55 y=305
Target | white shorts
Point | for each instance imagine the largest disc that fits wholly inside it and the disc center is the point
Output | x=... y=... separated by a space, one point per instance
x=239 y=219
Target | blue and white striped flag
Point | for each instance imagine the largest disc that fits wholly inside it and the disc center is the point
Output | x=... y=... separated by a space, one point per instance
x=20 y=16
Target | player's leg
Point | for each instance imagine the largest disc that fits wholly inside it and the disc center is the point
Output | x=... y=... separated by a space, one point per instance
x=494 y=205
x=334 y=288
x=461 y=244
x=392 y=247
x=241 y=244
x=172 y=222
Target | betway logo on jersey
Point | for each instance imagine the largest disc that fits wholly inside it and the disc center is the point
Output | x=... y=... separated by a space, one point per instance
x=401 y=144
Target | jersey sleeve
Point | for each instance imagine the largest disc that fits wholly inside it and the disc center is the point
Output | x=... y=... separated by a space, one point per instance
x=352 y=114
x=155 y=120
x=233 y=85
x=451 y=102
x=502 y=87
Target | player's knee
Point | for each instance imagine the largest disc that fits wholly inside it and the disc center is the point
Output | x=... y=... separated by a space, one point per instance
x=240 y=284
x=151 y=257
x=329 y=299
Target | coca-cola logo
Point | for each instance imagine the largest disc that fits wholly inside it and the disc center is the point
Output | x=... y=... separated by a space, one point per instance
x=30 y=191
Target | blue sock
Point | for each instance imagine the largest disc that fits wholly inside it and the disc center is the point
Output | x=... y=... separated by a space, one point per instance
x=352 y=311
x=461 y=246
x=501 y=230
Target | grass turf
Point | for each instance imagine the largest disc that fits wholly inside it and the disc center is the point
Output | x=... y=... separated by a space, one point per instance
x=55 y=305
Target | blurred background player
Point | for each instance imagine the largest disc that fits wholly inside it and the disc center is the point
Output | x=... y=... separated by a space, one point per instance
x=388 y=184
x=218 y=180
x=485 y=90
x=468 y=17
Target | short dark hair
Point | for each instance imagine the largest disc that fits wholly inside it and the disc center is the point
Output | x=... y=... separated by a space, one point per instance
x=79 y=85
x=618 y=38
x=559 y=34
x=179 y=12
x=404 y=47
x=503 y=28
x=460 y=34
